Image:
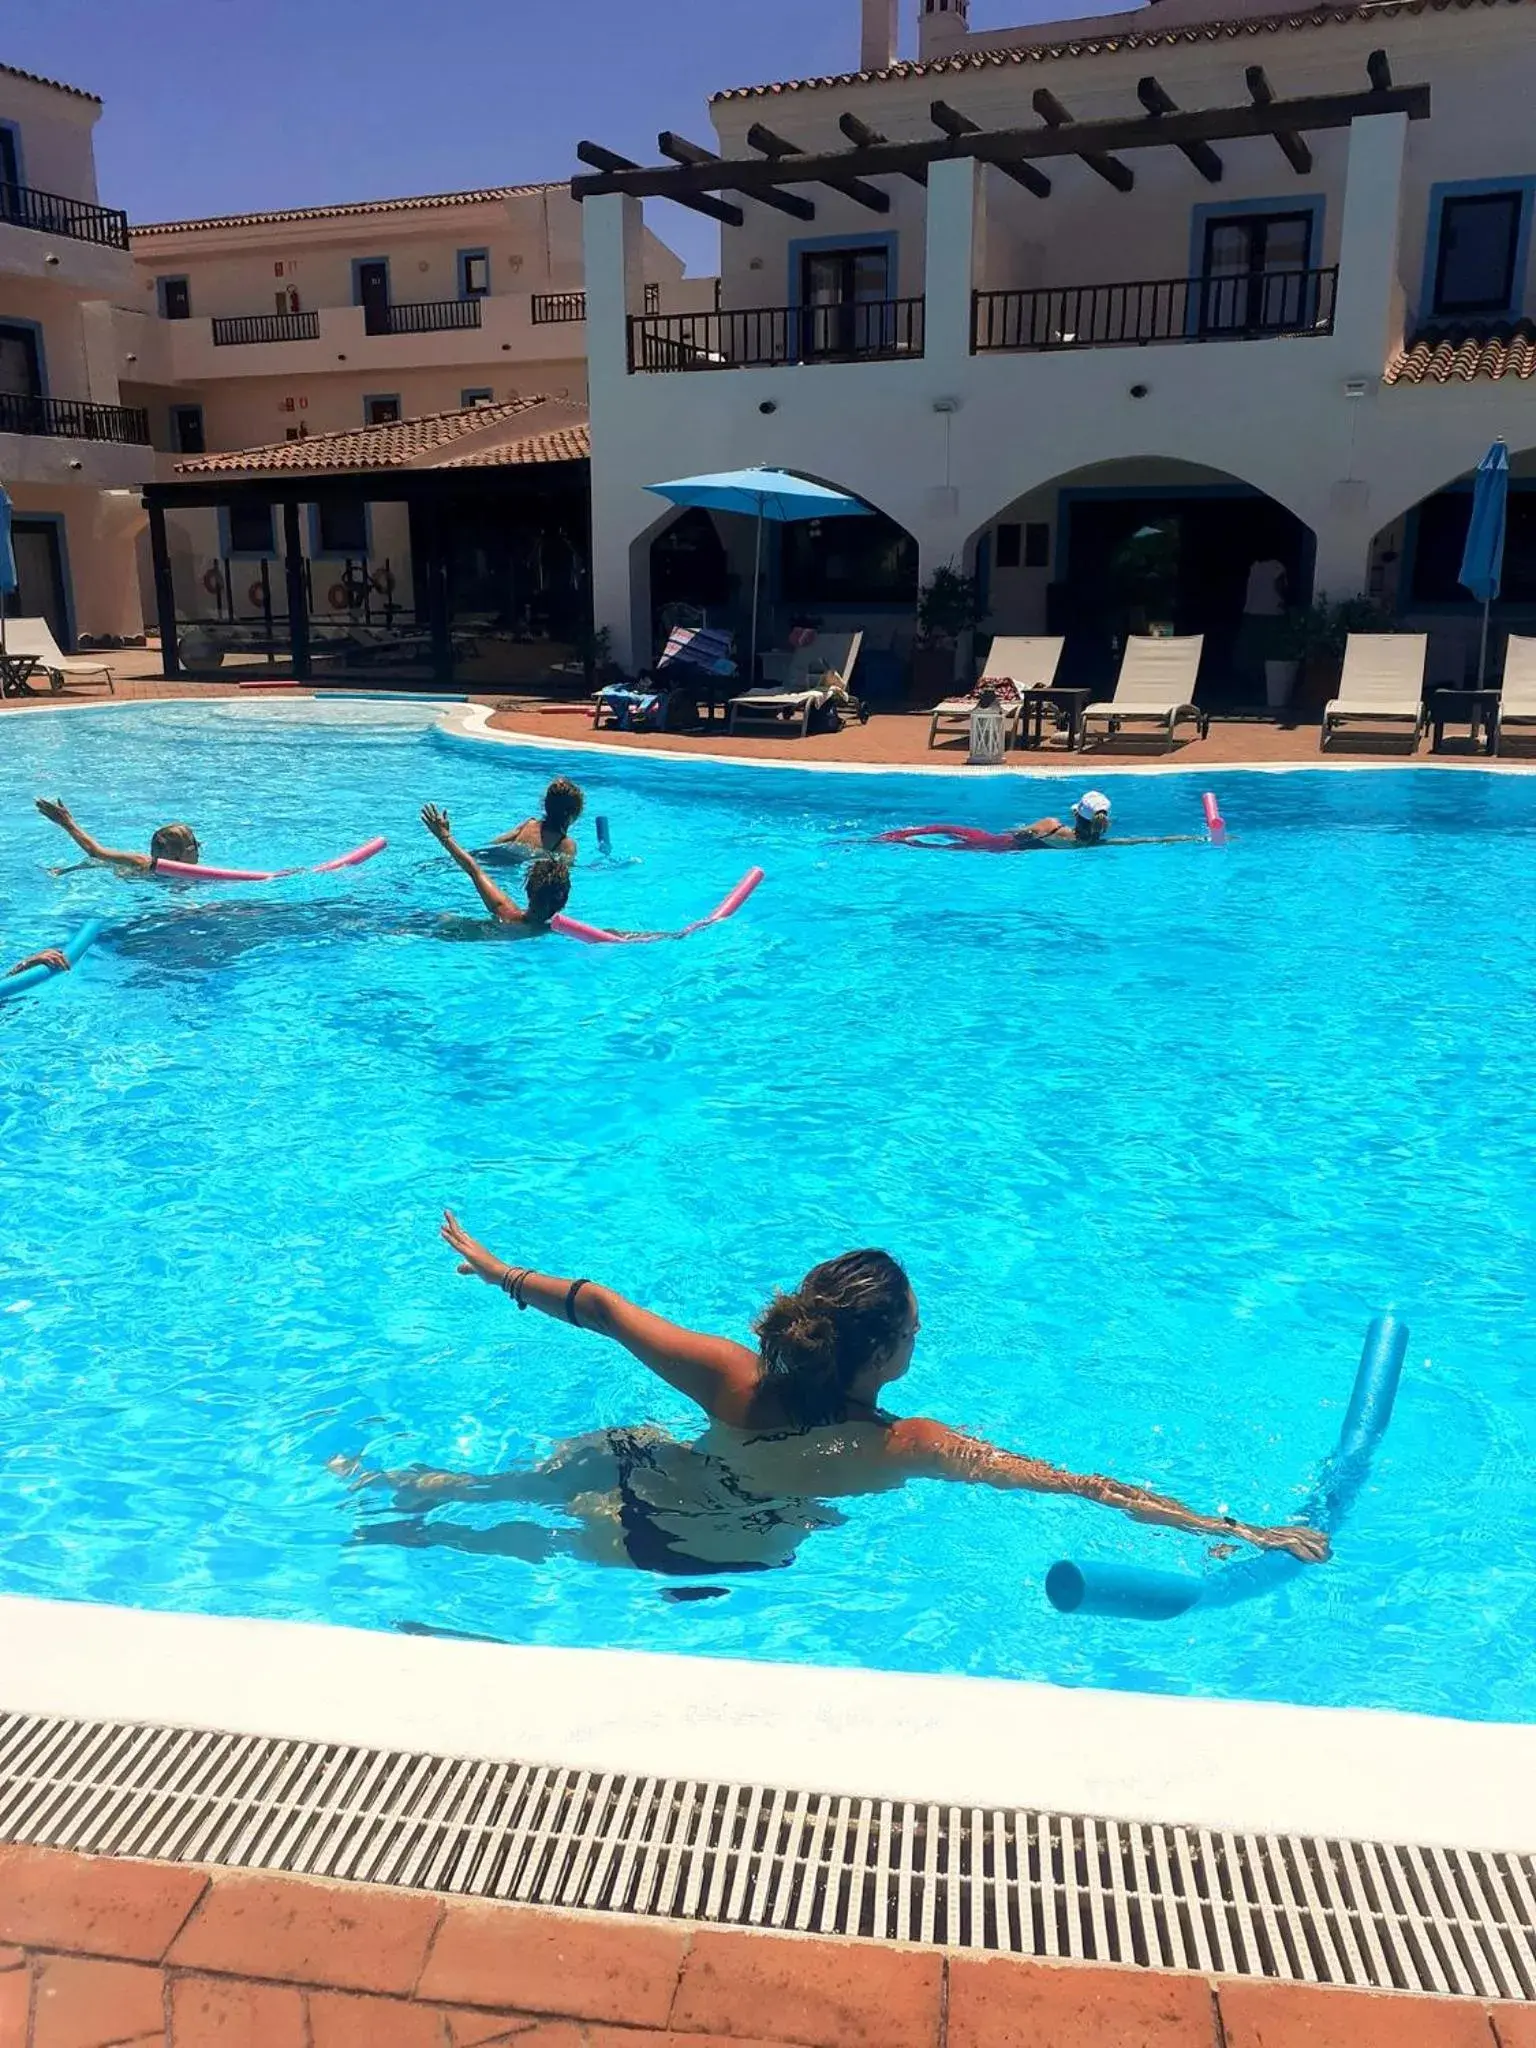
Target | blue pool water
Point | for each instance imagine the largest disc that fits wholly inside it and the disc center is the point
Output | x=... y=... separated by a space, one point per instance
x=1155 y=1131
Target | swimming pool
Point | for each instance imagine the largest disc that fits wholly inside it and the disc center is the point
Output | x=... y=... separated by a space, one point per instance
x=1154 y=1132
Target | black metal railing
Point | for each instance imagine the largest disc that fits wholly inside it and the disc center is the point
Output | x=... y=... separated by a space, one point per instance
x=52 y=214
x=1247 y=308
x=866 y=330
x=243 y=327
x=74 y=419
x=551 y=309
x=423 y=316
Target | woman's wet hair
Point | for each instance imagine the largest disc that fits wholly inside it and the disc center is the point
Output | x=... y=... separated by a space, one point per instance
x=818 y=1340
x=563 y=803
x=549 y=887
x=174 y=842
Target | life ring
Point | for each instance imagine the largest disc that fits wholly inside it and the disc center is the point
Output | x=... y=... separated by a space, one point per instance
x=338 y=598
x=213 y=582
x=256 y=594
x=959 y=838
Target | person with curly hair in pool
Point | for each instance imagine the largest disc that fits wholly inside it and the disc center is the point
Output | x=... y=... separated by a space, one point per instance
x=549 y=835
x=799 y=1418
x=168 y=842
x=547 y=882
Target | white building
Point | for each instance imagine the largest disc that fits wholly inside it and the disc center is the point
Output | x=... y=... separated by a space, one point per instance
x=1283 y=345
x=72 y=455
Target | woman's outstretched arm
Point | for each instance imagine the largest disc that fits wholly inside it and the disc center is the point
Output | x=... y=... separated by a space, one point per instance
x=57 y=813
x=931 y=1450
x=496 y=901
x=720 y=1376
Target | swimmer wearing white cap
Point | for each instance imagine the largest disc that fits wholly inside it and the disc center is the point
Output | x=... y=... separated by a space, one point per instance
x=1088 y=826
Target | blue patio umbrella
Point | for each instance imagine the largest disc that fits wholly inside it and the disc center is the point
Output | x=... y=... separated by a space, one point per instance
x=8 y=578
x=775 y=494
x=1482 y=560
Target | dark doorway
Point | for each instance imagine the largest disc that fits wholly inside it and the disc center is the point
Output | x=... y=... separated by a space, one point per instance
x=1133 y=562
x=373 y=295
x=689 y=573
x=40 y=590
x=1255 y=277
x=843 y=295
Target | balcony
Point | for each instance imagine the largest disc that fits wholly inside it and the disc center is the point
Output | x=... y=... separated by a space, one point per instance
x=551 y=309
x=764 y=337
x=72 y=419
x=424 y=316
x=52 y=214
x=1243 y=308
x=259 y=327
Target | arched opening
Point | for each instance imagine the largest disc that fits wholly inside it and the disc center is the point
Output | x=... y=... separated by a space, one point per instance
x=1148 y=546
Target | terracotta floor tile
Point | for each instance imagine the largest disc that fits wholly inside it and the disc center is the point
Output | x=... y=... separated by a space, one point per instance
x=1299 y=2016
x=15 y=1997
x=555 y=1963
x=342 y=2019
x=623 y=2037
x=101 y=1905
x=230 y=2012
x=822 y=1993
x=1514 y=2026
x=81 y=2003
x=12 y=1958
x=490 y=2029
x=342 y=1936
x=1003 y=2003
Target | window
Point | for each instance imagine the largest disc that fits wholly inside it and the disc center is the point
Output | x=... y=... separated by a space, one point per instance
x=249 y=530
x=187 y=436
x=474 y=273
x=1479 y=245
x=843 y=294
x=175 y=298
x=1254 y=277
x=848 y=561
x=1037 y=544
x=380 y=411
x=21 y=367
x=342 y=529
x=10 y=157
x=481 y=397
x=1010 y=546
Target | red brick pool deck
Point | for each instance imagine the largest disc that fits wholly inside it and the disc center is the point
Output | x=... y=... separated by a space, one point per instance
x=99 y=1952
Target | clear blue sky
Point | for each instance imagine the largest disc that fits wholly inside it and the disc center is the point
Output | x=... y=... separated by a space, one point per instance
x=214 y=108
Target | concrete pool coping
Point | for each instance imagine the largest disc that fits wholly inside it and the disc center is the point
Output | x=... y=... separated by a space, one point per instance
x=1243 y=1765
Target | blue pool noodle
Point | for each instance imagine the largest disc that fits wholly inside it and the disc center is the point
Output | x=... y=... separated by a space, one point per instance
x=72 y=949
x=1133 y=1594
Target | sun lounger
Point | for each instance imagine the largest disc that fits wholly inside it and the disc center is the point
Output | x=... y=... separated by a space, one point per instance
x=34 y=637
x=817 y=675
x=1383 y=681
x=1517 y=696
x=1156 y=686
x=1012 y=666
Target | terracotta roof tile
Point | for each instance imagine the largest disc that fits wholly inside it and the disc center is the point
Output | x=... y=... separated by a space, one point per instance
x=1460 y=355
x=425 y=203
x=401 y=444
x=561 y=444
x=36 y=78
x=1102 y=45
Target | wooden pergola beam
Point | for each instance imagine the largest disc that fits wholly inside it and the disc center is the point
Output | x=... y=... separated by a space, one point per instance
x=951 y=121
x=1292 y=148
x=1200 y=154
x=779 y=150
x=682 y=151
x=1007 y=145
x=607 y=163
x=864 y=137
x=1109 y=168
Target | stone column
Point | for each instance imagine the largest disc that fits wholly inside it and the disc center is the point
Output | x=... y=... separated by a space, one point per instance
x=613 y=232
x=1368 y=311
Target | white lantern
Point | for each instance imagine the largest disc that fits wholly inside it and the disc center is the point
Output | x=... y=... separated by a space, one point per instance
x=987 y=731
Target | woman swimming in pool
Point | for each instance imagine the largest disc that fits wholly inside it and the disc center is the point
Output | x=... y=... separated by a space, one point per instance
x=170 y=842
x=563 y=805
x=798 y=1418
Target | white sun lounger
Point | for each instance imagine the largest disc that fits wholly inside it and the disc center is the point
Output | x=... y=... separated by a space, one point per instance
x=32 y=636
x=1517 y=694
x=1383 y=681
x=1028 y=662
x=1156 y=686
x=798 y=694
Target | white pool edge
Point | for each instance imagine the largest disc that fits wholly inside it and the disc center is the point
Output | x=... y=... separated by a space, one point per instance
x=966 y=1742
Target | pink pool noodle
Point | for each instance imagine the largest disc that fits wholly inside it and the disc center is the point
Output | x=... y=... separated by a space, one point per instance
x=1216 y=824
x=594 y=935
x=191 y=872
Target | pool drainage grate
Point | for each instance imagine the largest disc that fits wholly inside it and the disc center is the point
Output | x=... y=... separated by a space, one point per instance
x=1308 y=1910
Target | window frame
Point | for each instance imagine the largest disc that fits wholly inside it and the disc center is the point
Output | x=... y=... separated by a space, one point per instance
x=227 y=546
x=1475 y=188
x=180 y=412
x=373 y=398
x=480 y=394
x=162 y=292
x=320 y=552
x=462 y=261
x=1502 y=302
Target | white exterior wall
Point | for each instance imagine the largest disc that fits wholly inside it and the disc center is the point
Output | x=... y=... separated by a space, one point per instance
x=1273 y=413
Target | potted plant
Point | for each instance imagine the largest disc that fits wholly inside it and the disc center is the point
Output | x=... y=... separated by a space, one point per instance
x=948 y=607
x=1144 y=579
x=1300 y=632
x=1324 y=631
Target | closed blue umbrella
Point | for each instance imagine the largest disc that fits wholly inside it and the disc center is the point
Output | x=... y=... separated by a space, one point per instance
x=8 y=577
x=1482 y=559
x=774 y=494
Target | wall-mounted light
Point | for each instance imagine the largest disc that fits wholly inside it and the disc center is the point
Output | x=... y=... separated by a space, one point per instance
x=51 y=260
x=130 y=359
x=768 y=405
x=946 y=405
x=77 y=465
x=1356 y=387
x=1140 y=390
x=341 y=359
